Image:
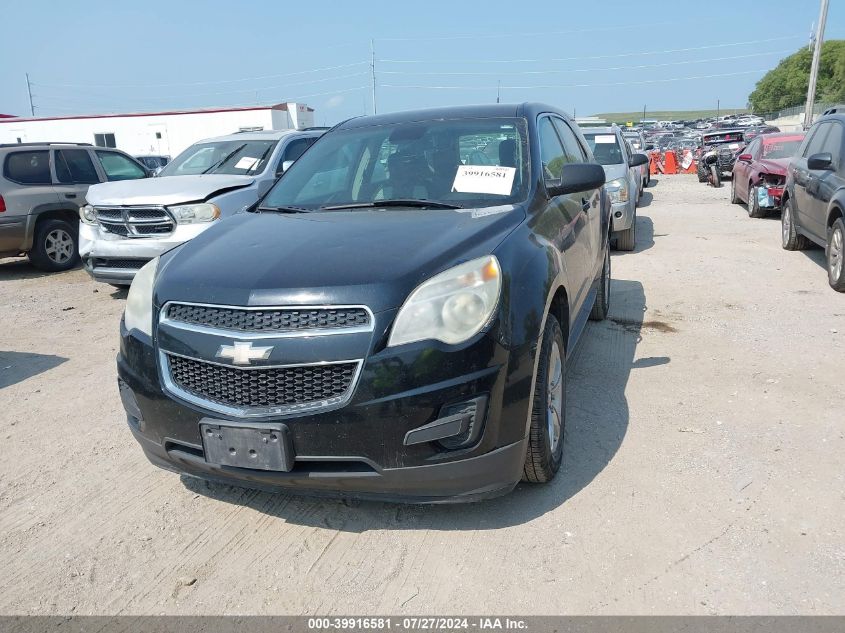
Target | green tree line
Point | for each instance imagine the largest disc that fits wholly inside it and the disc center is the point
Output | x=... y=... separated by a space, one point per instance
x=786 y=85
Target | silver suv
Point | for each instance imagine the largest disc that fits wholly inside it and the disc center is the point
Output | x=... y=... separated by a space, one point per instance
x=41 y=188
x=125 y=225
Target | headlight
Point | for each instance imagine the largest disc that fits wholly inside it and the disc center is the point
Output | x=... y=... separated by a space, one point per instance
x=195 y=213
x=87 y=215
x=138 y=314
x=452 y=306
x=617 y=190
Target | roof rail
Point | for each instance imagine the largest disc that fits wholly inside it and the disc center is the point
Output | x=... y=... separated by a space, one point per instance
x=43 y=143
x=314 y=128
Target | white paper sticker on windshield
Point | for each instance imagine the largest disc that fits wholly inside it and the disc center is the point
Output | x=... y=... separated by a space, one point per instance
x=481 y=179
x=605 y=138
x=247 y=162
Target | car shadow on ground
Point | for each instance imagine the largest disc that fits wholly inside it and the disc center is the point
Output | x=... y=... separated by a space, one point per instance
x=16 y=367
x=597 y=420
x=817 y=254
x=645 y=199
x=15 y=269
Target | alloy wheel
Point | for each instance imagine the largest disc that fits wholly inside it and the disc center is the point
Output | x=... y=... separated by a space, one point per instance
x=835 y=255
x=59 y=246
x=786 y=224
x=554 y=395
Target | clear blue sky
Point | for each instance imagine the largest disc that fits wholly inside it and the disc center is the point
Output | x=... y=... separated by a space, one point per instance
x=96 y=56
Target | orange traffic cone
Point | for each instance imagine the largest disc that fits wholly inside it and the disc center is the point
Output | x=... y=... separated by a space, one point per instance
x=653 y=165
x=670 y=162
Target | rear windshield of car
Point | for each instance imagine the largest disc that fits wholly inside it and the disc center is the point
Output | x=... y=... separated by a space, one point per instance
x=237 y=158
x=785 y=148
x=605 y=148
x=469 y=162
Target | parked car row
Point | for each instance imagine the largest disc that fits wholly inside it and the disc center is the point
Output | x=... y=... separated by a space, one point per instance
x=802 y=177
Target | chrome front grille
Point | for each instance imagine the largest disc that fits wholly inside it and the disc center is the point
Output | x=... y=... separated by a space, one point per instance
x=135 y=221
x=270 y=319
x=200 y=346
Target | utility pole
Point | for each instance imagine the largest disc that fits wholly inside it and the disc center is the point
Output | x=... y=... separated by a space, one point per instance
x=643 y=119
x=498 y=90
x=718 y=109
x=29 y=92
x=373 y=72
x=814 y=69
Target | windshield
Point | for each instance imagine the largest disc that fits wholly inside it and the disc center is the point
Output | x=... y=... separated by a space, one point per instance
x=781 y=149
x=605 y=148
x=461 y=162
x=221 y=157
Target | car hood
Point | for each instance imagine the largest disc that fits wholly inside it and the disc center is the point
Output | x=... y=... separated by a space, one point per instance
x=774 y=165
x=166 y=190
x=374 y=257
x=612 y=172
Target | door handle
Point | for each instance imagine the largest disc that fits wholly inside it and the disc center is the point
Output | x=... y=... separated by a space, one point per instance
x=585 y=205
x=70 y=195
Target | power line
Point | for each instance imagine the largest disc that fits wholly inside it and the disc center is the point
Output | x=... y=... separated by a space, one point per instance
x=201 y=83
x=589 y=85
x=582 y=70
x=580 y=58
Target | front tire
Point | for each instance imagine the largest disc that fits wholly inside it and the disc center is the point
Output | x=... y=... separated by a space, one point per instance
x=791 y=239
x=835 y=252
x=715 y=176
x=55 y=246
x=734 y=197
x=627 y=240
x=754 y=210
x=544 y=452
x=602 y=304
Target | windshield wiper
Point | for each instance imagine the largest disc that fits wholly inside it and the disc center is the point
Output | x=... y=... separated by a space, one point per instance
x=225 y=158
x=286 y=208
x=403 y=202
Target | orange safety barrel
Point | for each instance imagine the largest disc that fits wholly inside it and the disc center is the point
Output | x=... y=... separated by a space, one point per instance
x=670 y=162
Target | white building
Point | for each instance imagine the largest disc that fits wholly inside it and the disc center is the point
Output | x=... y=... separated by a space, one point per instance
x=163 y=133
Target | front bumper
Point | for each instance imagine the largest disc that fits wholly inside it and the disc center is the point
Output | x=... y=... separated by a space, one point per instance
x=622 y=214
x=115 y=259
x=358 y=450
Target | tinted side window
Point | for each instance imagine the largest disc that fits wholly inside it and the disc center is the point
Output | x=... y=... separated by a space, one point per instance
x=753 y=147
x=552 y=153
x=296 y=148
x=118 y=167
x=574 y=151
x=28 y=168
x=817 y=142
x=833 y=142
x=75 y=166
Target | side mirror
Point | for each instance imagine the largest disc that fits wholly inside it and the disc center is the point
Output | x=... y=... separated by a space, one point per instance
x=577 y=177
x=822 y=161
x=745 y=158
x=639 y=159
x=283 y=167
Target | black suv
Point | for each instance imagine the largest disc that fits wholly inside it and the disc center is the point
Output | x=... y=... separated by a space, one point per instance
x=814 y=200
x=392 y=319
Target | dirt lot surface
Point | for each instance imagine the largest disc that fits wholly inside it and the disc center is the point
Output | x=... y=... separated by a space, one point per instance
x=703 y=462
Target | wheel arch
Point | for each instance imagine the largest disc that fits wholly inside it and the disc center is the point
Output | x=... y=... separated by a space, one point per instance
x=55 y=211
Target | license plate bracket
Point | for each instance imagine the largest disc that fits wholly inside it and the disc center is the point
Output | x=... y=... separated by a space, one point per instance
x=258 y=447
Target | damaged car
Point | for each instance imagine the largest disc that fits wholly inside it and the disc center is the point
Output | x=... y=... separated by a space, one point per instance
x=717 y=155
x=759 y=173
x=126 y=224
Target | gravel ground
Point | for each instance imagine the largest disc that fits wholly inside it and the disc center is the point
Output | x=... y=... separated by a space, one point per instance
x=703 y=462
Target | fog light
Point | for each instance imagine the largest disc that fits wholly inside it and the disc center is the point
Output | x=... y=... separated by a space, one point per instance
x=618 y=214
x=458 y=425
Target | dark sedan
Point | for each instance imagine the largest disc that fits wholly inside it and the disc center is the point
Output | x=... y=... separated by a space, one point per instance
x=392 y=319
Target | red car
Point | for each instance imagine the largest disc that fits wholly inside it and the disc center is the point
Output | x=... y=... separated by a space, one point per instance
x=760 y=172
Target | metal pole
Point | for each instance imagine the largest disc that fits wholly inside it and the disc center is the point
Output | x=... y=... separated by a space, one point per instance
x=643 y=119
x=718 y=109
x=373 y=72
x=814 y=69
x=498 y=90
x=29 y=92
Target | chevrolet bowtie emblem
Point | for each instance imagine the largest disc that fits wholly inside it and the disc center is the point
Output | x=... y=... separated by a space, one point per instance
x=243 y=353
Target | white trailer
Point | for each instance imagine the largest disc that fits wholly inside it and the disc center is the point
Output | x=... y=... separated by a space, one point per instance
x=163 y=133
